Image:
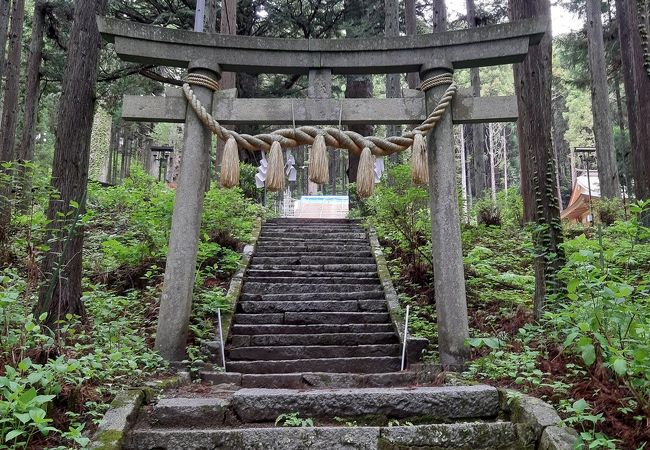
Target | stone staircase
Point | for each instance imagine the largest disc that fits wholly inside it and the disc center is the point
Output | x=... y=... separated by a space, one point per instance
x=312 y=338
x=312 y=302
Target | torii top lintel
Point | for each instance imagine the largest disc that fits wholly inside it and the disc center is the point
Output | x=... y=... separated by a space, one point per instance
x=491 y=45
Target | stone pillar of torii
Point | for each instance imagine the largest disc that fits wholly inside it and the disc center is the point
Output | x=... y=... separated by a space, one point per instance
x=430 y=55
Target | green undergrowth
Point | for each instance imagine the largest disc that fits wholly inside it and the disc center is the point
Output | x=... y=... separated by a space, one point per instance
x=55 y=386
x=589 y=355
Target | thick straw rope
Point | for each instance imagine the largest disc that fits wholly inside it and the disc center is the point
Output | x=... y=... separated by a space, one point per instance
x=305 y=135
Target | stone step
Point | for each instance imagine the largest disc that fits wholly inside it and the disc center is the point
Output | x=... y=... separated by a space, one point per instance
x=283 y=241
x=305 y=273
x=331 y=235
x=299 y=352
x=302 y=288
x=332 y=365
x=312 y=260
x=318 y=329
x=265 y=340
x=299 y=253
x=320 y=380
x=309 y=220
x=321 y=247
x=375 y=294
x=314 y=228
x=317 y=267
x=437 y=403
x=310 y=280
x=451 y=436
x=306 y=318
x=315 y=306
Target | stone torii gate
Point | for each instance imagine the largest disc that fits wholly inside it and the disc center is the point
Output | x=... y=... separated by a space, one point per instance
x=430 y=55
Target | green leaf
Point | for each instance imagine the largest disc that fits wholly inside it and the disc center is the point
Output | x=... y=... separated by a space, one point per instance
x=13 y=434
x=23 y=417
x=589 y=354
x=620 y=366
x=572 y=285
x=580 y=405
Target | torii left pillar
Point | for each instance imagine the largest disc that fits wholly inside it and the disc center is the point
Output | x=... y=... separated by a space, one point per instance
x=180 y=269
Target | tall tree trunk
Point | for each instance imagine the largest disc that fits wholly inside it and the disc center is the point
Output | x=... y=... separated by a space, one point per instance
x=61 y=293
x=561 y=147
x=607 y=168
x=393 y=88
x=491 y=151
x=228 y=26
x=439 y=16
x=477 y=142
x=27 y=142
x=5 y=8
x=10 y=119
x=533 y=89
x=637 y=89
x=413 y=78
x=505 y=161
x=463 y=173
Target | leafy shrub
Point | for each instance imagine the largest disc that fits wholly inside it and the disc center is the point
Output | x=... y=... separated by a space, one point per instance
x=608 y=211
x=487 y=212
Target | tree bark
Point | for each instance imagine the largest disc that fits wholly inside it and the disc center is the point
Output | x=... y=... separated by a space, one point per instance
x=61 y=293
x=477 y=131
x=439 y=16
x=5 y=7
x=533 y=89
x=393 y=88
x=607 y=168
x=561 y=146
x=413 y=78
x=10 y=119
x=228 y=26
x=32 y=84
x=637 y=89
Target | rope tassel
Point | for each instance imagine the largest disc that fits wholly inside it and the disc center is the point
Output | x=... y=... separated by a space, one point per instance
x=230 y=164
x=319 y=171
x=366 y=174
x=419 y=161
x=275 y=171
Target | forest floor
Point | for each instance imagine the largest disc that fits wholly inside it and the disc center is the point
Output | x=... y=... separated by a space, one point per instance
x=587 y=356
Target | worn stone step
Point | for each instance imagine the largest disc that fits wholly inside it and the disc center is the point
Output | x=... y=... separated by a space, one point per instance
x=313 y=235
x=375 y=294
x=312 y=260
x=298 y=253
x=265 y=340
x=443 y=403
x=306 y=318
x=280 y=241
x=312 y=306
x=454 y=436
x=320 y=380
x=317 y=267
x=316 y=247
x=315 y=228
x=310 y=280
x=318 y=329
x=307 y=288
x=332 y=365
x=310 y=220
x=305 y=273
x=298 y=352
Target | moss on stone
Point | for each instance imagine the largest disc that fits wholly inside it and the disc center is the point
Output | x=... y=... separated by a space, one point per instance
x=107 y=440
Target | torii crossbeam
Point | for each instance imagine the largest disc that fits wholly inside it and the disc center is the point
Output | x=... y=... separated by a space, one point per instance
x=431 y=55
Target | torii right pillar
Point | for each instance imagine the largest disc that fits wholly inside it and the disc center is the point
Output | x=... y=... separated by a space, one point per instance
x=449 y=277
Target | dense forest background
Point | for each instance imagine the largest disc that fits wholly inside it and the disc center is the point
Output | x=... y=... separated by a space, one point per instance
x=557 y=310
